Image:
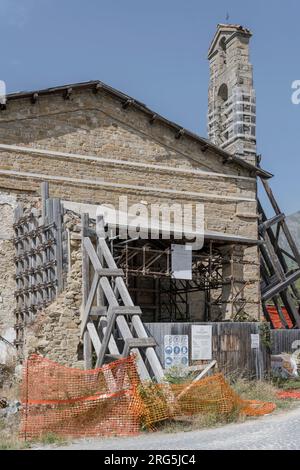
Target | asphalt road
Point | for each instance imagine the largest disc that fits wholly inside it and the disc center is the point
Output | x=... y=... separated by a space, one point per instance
x=273 y=432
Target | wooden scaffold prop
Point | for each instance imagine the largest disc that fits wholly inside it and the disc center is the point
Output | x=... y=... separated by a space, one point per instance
x=109 y=310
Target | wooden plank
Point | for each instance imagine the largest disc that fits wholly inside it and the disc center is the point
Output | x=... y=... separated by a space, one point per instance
x=111 y=318
x=98 y=312
x=124 y=310
x=87 y=343
x=273 y=291
x=270 y=222
x=140 y=331
x=45 y=196
x=138 y=343
x=94 y=336
x=57 y=217
x=92 y=254
x=87 y=350
x=89 y=303
x=110 y=272
x=50 y=251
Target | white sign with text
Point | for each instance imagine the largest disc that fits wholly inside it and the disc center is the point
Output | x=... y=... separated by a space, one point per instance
x=201 y=342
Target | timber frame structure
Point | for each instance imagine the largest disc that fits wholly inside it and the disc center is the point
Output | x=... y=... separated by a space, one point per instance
x=278 y=278
x=114 y=311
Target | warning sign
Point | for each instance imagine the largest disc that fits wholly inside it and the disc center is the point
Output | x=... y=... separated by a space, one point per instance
x=176 y=350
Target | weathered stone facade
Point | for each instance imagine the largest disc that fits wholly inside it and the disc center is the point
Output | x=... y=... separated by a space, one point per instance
x=56 y=333
x=93 y=146
x=8 y=203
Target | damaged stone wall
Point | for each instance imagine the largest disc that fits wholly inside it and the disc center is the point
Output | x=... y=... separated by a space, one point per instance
x=55 y=333
x=8 y=203
x=92 y=150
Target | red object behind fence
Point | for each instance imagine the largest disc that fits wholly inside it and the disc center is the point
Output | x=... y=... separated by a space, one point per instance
x=293 y=394
x=275 y=318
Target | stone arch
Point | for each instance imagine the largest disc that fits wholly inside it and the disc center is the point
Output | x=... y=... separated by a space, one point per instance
x=222 y=44
x=223 y=92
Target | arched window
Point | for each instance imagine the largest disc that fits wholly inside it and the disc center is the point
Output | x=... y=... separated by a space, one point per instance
x=223 y=92
x=223 y=51
x=223 y=44
x=221 y=100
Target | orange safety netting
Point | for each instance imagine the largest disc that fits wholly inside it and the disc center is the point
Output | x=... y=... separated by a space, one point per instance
x=156 y=403
x=293 y=394
x=71 y=402
x=112 y=400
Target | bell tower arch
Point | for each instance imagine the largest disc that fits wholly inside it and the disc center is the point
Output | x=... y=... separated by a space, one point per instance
x=231 y=96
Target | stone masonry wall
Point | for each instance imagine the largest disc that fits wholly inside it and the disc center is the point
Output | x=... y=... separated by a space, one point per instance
x=55 y=333
x=163 y=169
x=8 y=203
x=98 y=126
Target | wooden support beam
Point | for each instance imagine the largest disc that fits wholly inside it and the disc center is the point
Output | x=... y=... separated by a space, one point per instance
x=87 y=344
x=87 y=350
x=94 y=336
x=269 y=223
x=45 y=196
x=284 y=225
x=138 y=343
x=89 y=303
x=284 y=284
x=57 y=217
x=110 y=272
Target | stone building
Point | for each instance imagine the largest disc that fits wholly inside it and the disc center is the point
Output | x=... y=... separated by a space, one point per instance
x=94 y=144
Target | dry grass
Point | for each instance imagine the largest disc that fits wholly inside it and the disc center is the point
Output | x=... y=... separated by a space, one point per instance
x=262 y=391
x=288 y=384
x=201 y=421
x=9 y=439
x=9 y=434
x=249 y=390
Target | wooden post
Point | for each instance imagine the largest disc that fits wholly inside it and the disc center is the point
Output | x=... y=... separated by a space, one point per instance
x=87 y=343
x=285 y=228
x=57 y=218
x=45 y=196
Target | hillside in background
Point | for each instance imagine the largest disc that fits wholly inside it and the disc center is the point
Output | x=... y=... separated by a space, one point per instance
x=293 y=222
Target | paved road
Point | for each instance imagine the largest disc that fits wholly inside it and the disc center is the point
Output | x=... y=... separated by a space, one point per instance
x=279 y=431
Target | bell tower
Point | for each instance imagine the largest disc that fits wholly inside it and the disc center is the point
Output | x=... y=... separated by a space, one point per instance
x=231 y=96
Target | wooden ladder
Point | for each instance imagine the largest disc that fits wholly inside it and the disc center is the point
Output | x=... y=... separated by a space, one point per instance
x=107 y=305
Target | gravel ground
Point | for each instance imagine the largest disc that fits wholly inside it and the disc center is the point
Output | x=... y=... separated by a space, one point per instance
x=279 y=431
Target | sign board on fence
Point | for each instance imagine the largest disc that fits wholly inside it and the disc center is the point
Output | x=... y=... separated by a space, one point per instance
x=176 y=351
x=201 y=342
x=255 y=341
x=182 y=262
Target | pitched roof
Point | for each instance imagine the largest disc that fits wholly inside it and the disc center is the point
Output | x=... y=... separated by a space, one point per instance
x=97 y=85
x=229 y=30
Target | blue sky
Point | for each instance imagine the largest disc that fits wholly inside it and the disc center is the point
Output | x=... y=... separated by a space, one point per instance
x=156 y=51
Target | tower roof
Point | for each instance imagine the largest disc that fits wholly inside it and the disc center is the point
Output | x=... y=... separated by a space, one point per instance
x=229 y=30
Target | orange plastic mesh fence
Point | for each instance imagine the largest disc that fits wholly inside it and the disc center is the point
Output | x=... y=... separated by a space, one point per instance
x=156 y=403
x=72 y=402
x=293 y=394
x=113 y=401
